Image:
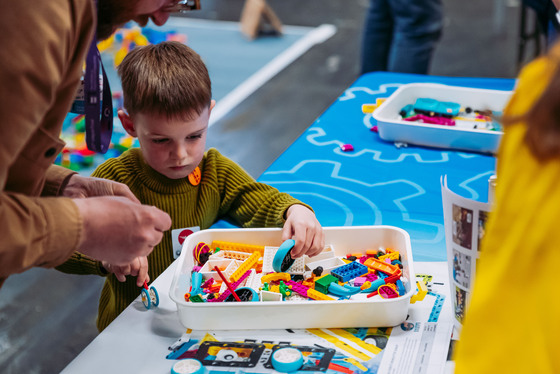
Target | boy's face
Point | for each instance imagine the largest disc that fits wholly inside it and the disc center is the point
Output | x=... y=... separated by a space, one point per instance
x=172 y=147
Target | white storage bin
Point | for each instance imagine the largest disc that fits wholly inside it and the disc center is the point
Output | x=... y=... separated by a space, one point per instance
x=392 y=128
x=296 y=314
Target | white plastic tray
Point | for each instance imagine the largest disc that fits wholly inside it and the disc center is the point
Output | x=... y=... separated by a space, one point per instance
x=392 y=128
x=296 y=314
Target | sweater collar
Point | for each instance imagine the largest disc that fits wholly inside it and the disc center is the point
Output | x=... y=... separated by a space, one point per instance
x=157 y=181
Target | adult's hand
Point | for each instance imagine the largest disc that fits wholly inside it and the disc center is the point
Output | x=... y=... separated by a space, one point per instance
x=79 y=186
x=117 y=230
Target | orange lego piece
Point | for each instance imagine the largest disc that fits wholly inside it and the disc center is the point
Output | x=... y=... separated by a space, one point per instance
x=381 y=266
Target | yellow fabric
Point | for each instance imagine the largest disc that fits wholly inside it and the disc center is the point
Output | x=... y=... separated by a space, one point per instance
x=43 y=46
x=225 y=191
x=512 y=325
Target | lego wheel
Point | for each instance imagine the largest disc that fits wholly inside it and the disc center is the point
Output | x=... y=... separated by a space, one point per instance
x=188 y=366
x=154 y=297
x=283 y=260
x=146 y=300
x=287 y=360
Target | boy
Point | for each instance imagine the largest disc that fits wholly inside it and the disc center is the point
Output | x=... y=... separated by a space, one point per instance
x=167 y=96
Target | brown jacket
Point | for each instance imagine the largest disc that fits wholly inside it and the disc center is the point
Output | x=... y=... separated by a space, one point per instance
x=42 y=51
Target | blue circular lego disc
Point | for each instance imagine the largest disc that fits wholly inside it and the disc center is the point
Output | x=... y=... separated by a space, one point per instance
x=283 y=259
x=245 y=294
x=287 y=360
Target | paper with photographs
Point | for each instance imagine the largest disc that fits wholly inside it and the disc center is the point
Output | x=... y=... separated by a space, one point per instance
x=465 y=222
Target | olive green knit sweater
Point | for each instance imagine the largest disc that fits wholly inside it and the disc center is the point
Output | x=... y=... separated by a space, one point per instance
x=226 y=191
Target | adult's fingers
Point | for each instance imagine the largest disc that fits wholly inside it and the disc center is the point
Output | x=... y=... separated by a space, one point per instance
x=142 y=272
x=120 y=189
x=162 y=221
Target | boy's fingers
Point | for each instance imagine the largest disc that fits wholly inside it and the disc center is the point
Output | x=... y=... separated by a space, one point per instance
x=286 y=232
x=318 y=245
x=301 y=242
x=120 y=276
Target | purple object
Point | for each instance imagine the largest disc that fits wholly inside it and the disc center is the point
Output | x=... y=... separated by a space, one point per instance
x=436 y=120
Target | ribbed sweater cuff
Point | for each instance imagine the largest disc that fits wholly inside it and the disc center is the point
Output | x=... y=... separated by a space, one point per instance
x=82 y=264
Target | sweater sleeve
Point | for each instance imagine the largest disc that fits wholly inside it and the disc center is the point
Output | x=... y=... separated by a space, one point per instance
x=246 y=201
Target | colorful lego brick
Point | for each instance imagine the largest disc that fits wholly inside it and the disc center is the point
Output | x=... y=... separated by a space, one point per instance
x=276 y=277
x=359 y=281
x=381 y=266
x=270 y=296
x=387 y=292
x=196 y=283
x=350 y=271
x=422 y=292
x=254 y=280
x=234 y=285
x=322 y=284
x=298 y=288
x=346 y=290
x=234 y=255
x=239 y=247
x=196 y=299
x=316 y=295
x=245 y=266
x=394 y=255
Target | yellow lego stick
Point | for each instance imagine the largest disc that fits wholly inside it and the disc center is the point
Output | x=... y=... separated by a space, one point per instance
x=246 y=265
x=316 y=295
x=237 y=247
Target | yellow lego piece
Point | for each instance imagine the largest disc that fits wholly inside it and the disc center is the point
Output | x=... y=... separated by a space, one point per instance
x=425 y=277
x=238 y=247
x=370 y=108
x=275 y=277
x=316 y=295
x=394 y=255
x=242 y=256
x=245 y=266
x=422 y=292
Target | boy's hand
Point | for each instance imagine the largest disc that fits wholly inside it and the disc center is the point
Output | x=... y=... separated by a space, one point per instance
x=302 y=226
x=138 y=268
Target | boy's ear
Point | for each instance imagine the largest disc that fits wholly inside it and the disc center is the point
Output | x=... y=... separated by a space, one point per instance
x=127 y=123
x=212 y=104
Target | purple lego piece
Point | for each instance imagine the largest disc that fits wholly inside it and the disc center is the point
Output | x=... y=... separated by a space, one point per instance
x=298 y=288
x=436 y=120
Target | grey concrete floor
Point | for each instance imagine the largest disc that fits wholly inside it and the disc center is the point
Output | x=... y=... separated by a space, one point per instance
x=47 y=318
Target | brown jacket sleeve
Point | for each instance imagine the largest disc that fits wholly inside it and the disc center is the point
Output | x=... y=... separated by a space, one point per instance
x=42 y=50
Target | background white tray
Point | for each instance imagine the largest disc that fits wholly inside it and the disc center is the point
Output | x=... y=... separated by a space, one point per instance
x=391 y=128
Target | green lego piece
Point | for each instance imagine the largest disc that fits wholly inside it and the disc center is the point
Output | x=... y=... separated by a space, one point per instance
x=322 y=284
x=196 y=299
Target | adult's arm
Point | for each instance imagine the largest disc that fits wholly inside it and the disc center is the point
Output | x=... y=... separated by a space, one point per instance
x=42 y=47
